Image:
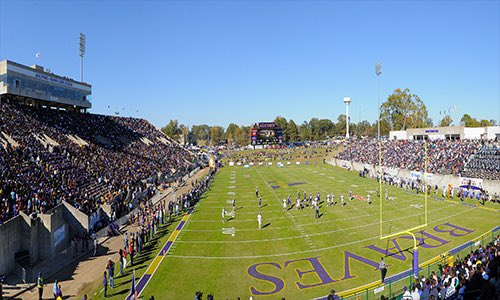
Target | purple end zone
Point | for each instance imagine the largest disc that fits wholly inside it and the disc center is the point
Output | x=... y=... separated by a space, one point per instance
x=181 y=224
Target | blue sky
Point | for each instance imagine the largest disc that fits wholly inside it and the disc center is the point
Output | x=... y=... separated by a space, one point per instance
x=218 y=62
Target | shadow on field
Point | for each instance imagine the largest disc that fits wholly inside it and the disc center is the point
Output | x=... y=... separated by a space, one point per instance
x=266 y=225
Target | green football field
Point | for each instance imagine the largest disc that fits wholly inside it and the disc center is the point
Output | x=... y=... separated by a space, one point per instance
x=296 y=255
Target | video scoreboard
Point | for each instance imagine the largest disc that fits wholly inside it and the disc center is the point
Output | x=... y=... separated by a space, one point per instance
x=266 y=133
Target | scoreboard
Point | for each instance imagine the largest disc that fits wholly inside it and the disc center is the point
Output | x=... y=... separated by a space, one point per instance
x=266 y=133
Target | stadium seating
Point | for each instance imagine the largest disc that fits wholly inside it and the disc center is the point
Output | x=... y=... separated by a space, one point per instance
x=48 y=155
x=465 y=157
x=485 y=163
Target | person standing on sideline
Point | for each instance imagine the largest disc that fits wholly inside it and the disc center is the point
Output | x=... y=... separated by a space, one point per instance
x=111 y=273
x=383 y=269
x=368 y=198
x=55 y=289
x=259 y=220
x=39 y=285
x=105 y=284
x=317 y=210
x=342 y=199
x=260 y=201
x=223 y=216
x=233 y=202
x=284 y=203
x=95 y=244
x=131 y=252
x=333 y=296
x=120 y=252
x=386 y=194
x=256 y=191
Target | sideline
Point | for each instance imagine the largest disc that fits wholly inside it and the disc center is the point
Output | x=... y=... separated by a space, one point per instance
x=156 y=262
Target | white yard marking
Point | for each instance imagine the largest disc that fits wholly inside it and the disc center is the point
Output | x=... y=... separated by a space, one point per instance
x=303 y=251
x=231 y=231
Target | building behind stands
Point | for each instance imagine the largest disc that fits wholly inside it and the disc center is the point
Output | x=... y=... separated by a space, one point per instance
x=448 y=133
x=39 y=87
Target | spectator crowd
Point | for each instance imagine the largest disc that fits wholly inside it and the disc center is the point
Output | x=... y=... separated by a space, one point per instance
x=475 y=276
x=472 y=158
x=48 y=156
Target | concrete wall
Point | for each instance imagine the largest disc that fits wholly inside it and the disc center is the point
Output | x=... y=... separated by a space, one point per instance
x=474 y=133
x=398 y=135
x=10 y=236
x=492 y=132
x=39 y=235
x=492 y=186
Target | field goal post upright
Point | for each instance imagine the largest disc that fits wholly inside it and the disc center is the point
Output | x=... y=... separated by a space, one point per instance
x=406 y=231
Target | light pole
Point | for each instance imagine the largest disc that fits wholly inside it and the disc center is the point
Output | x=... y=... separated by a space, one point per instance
x=378 y=71
x=347 y=101
x=82 y=54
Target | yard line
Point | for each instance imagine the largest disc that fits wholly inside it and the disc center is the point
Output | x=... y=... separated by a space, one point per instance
x=294 y=237
x=303 y=251
x=292 y=218
x=234 y=221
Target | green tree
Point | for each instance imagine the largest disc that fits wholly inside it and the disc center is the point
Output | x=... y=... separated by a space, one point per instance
x=183 y=133
x=232 y=133
x=326 y=128
x=292 y=131
x=315 y=128
x=340 y=126
x=446 y=121
x=282 y=123
x=403 y=110
x=469 y=121
x=243 y=138
x=200 y=134
x=364 y=128
x=305 y=131
x=172 y=129
x=485 y=123
x=216 y=135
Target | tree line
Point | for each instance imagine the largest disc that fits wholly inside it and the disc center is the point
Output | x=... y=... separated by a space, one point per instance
x=401 y=110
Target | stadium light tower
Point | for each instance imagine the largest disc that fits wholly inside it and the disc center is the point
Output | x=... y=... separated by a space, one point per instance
x=347 y=101
x=378 y=71
x=82 y=53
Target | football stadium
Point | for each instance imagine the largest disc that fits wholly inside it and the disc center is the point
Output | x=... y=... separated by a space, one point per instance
x=159 y=176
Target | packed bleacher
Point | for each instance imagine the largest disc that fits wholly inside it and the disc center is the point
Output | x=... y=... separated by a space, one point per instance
x=444 y=157
x=47 y=156
x=485 y=163
x=475 y=276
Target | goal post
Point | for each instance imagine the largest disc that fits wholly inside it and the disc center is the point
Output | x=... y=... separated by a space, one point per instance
x=408 y=231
